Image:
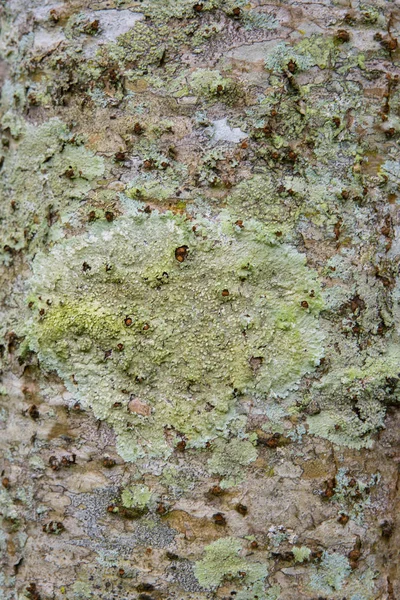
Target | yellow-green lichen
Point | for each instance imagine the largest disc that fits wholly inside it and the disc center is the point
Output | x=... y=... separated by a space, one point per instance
x=301 y=553
x=160 y=323
x=136 y=496
x=223 y=561
x=211 y=84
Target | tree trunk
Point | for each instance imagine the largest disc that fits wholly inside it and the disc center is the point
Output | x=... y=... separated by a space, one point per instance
x=199 y=300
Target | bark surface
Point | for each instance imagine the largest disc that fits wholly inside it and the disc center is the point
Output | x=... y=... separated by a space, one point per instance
x=199 y=296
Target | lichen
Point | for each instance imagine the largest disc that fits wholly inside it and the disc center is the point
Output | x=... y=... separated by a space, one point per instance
x=301 y=553
x=331 y=573
x=223 y=560
x=229 y=458
x=136 y=496
x=210 y=84
x=47 y=173
x=361 y=394
x=186 y=334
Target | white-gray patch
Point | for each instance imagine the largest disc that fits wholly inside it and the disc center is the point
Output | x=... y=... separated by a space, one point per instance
x=222 y=132
x=114 y=23
x=253 y=53
x=45 y=41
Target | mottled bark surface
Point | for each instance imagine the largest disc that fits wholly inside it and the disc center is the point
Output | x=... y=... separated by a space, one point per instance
x=199 y=300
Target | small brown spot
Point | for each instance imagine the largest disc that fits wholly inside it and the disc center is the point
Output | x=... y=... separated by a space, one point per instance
x=237 y=11
x=241 y=509
x=5 y=482
x=109 y=216
x=33 y=594
x=161 y=509
x=121 y=572
x=108 y=462
x=345 y=194
x=69 y=173
x=138 y=129
x=128 y=321
x=304 y=304
x=389 y=44
x=219 y=519
x=198 y=7
x=354 y=557
x=254 y=545
x=343 y=519
x=216 y=490
x=225 y=293
x=33 y=412
x=292 y=67
x=181 y=253
x=120 y=156
x=146 y=327
x=342 y=35
x=120 y=347
x=239 y=223
x=181 y=446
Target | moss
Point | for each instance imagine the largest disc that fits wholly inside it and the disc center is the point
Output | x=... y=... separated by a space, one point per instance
x=222 y=561
x=138 y=334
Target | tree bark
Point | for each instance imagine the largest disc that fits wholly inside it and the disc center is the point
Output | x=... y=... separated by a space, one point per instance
x=199 y=300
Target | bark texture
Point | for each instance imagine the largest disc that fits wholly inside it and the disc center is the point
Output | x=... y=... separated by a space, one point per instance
x=199 y=300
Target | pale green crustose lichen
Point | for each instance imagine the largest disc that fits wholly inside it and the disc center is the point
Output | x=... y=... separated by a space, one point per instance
x=222 y=561
x=176 y=319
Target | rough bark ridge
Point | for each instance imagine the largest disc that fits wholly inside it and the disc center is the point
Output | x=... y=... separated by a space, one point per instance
x=199 y=300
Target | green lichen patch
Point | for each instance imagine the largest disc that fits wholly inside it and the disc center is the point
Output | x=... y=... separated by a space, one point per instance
x=136 y=496
x=43 y=176
x=159 y=323
x=361 y=395
x=229 y=459
x=211 y=84
x=330 y=576
x=301 y=553
x=223 y=561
